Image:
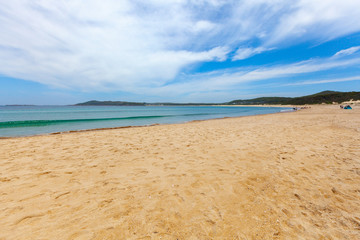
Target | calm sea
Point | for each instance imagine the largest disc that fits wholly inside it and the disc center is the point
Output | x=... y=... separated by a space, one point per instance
x=34 y=120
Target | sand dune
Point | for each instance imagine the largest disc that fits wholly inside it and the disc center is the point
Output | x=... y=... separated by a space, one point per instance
x=279 y=176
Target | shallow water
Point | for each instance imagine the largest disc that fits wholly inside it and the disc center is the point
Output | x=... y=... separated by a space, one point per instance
x=34 y=120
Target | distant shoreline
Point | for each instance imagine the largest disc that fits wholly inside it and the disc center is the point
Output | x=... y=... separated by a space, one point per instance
x=144 y=126
x=324 y=97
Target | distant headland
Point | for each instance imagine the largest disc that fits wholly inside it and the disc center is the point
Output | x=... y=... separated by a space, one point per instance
x=325 y=97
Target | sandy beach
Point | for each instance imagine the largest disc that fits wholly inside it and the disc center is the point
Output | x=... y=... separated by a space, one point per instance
x=289 y=175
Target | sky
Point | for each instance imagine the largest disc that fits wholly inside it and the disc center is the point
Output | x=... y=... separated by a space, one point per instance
x=69 y=51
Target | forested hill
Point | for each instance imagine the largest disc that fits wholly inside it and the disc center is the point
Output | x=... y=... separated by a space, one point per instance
x=110 y=103
x=122 y=103
x=327 y=97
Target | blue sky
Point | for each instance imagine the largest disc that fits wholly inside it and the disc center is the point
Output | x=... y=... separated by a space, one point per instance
x=64 y=52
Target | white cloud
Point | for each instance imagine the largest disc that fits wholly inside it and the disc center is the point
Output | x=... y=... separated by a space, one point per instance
x=316 y=20
x=333 y=80
x=96 y=46
x=231 y=79
x=243 y=53
x=347 y=51
x=143 y=44
x=203 y=26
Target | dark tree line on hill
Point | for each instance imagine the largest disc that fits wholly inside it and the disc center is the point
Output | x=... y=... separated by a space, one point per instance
x=327 y=97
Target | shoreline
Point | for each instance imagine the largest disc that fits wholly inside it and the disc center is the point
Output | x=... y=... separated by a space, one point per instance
x=139 y=126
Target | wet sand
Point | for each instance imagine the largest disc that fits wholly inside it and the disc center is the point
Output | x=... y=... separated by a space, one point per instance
x=280 y=176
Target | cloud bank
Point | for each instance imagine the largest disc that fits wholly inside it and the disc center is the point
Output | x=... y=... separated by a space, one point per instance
x=227 y=80
x=144 y=46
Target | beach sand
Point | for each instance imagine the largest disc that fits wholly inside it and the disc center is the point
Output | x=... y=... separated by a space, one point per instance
x=280 y=176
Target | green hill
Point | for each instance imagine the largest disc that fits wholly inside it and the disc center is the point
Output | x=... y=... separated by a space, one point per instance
x=261 y=100
x=110 y=103
x=327 y=97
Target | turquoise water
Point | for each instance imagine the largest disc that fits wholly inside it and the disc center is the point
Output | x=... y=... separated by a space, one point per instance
x=34 y=120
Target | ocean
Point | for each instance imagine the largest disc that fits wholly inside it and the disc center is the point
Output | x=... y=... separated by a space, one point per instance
x=35 y=120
